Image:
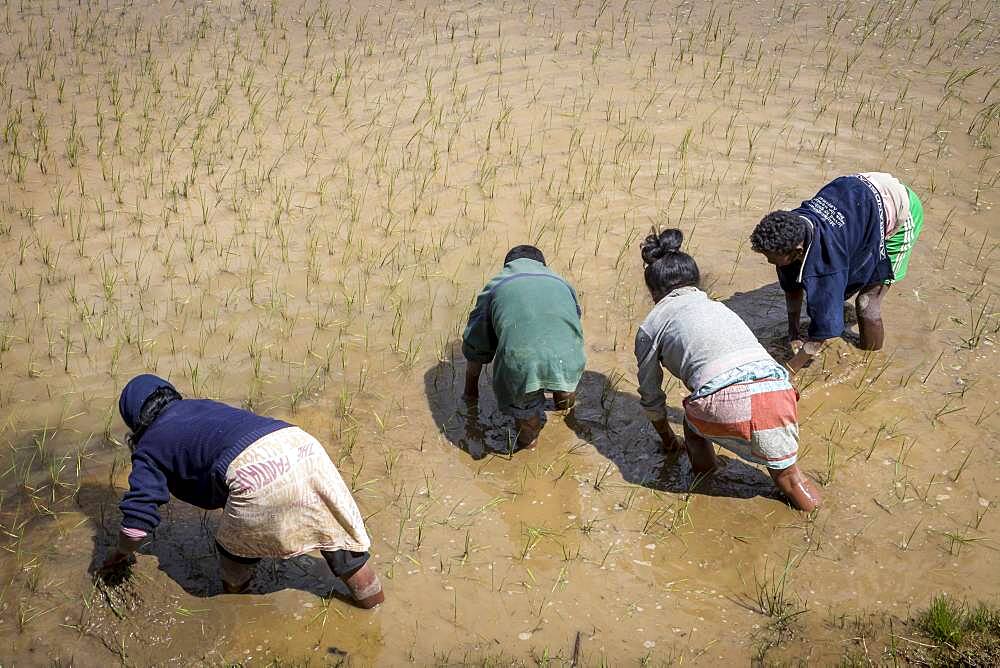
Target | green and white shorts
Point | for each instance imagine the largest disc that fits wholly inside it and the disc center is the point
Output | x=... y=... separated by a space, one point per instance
x=900 y=245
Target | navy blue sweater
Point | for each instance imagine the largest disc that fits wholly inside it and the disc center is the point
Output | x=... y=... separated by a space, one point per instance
x=186 y=452
x=846 y=251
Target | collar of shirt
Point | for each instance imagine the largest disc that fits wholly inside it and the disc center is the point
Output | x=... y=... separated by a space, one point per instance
x=677 y=292
x=812 y=236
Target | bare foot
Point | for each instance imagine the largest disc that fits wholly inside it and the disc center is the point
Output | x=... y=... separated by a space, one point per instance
x=527 y=432
x=230 y=588
x=564 y=401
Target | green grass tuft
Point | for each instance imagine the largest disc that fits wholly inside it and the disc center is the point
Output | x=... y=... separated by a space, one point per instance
x=943 y=621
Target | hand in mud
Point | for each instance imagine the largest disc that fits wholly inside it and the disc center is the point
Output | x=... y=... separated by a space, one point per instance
x=469 y=410
x=471 y=392
x=670 y=441
x=115 y=583
x=115 y=566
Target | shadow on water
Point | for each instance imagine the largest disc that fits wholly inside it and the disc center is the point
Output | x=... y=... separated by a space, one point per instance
x=184 y=547
x=763 y=310
x=478 y=429
x=609 y=419
x=614 y=423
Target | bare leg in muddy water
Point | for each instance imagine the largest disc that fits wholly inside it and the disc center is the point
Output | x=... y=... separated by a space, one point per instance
x=669 y=440
x=527 y=432
x=564 y=401
x=700 y=451
x=791 y=482
x=796 y=487
x=868 y=307
x=237 y=572
x=528 y=429
x=353 y=568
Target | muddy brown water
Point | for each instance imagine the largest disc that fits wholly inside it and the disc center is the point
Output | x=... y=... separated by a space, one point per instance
x=291 y=206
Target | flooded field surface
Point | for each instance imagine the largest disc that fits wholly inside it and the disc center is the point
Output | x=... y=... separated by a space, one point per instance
x=290 y=206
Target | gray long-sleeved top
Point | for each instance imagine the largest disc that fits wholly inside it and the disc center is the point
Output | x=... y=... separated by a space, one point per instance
x=696 y=339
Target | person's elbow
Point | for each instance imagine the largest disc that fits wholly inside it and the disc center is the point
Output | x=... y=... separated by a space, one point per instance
x=473 y=353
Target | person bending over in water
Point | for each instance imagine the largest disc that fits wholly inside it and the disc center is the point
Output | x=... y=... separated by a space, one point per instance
x=740 y=397
x=526 y=321
x=281 y=493
x=854 y=237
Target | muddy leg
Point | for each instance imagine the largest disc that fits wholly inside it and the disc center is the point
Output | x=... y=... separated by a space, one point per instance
x=357 y=574
x=527 y=432
x=796 y=487
x=868 y=307
x=237 y=572
x=700 y=451
x=564 y=401
x=667 y=437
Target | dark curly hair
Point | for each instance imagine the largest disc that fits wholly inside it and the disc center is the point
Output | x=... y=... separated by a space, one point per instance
x=155 y=404
x=524 y=252
x=778 y=232
x=667 y=266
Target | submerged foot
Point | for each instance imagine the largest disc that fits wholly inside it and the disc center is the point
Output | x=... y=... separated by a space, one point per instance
x=230 y=588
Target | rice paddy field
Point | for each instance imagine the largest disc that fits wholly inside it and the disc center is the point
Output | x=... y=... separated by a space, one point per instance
x=290 y=206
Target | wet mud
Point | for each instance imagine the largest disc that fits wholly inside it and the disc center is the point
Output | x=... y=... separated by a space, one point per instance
x=291 y=207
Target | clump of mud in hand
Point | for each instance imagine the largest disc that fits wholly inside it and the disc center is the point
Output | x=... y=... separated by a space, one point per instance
x=117 y=586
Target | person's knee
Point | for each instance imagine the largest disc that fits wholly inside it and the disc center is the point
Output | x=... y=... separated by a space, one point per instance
x=869 y=304
x=869 y=308
x=788 y=474
x=345 y=563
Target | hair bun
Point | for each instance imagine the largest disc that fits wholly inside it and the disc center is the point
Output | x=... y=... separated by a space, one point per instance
x=656 y=245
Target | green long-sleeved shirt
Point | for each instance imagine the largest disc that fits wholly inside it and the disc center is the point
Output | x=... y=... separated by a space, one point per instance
x=527 y=323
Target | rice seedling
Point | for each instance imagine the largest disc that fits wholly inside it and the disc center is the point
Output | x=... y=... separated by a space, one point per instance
x=769 y=592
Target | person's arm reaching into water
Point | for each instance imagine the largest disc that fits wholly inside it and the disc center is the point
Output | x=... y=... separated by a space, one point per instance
x=479 y=343
x=825 y=304
x=652 y=397
x=124 y=552
x=472 y=373
x=793 y=304
x=802 y=351
x=140 y=509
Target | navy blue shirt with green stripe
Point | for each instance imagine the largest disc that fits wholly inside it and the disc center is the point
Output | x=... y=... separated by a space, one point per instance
x=526 y=321
x=845 y=251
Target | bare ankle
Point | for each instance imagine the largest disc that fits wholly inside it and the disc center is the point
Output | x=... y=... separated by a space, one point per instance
x=797 y=488
x=528 y=432
x=564 y=401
